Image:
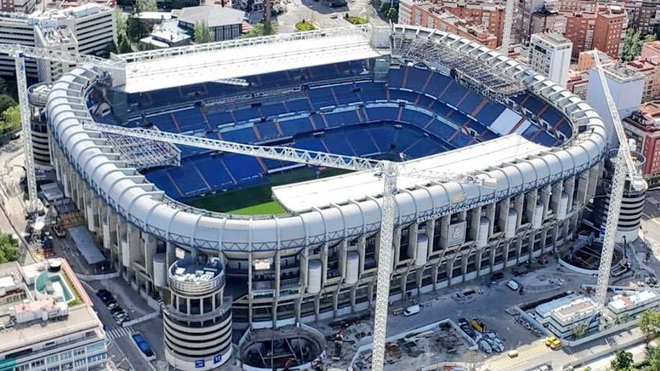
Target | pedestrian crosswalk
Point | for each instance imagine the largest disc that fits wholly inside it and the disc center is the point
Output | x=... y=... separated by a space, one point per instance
x=119 y=332
x=505 y=362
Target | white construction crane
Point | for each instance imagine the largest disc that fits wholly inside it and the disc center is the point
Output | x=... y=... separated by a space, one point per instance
x=624 y=167
x=20 y=52
x=389 y=171
x=508 y=25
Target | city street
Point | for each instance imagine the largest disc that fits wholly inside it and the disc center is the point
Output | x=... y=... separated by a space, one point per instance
x=321 y=15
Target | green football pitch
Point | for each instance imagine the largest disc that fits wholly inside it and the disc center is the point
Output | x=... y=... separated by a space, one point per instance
x=258 y=199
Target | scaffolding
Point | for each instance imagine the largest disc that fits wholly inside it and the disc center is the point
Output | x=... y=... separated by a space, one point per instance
x=439 y=54
x=143 y=153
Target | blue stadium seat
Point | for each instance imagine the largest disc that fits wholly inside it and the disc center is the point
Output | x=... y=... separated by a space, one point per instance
x=321 y=97
x=454 y=94
x=188 y=179
x=163 y=182
x=395 y=77
x=362 y=145
x=311 y=144
x=414 y=117
x=440 y=130
x=274 y=109
x=241 y=135
x=551 y=116
x=246 y=114
x=437 y=84
x=214 y=173
x=425 y=102
x=343 y=118
x=382 y=113
x=219 y=118
x=242 y=168
x=470 y=103
x=383 y=136
x=545 y=139
x=565 y=128
x=461 y=140
x=268 y=130
x=417 y=78
x=163 y=122
x=424 y=147
x=441 y=109
x=336 y=143
x=396 y=94
x=296 y=126
x=345 y=94
x=298 y=105
x=190 y=119
x=371 y=92
x=533 y=104
x=489 y=113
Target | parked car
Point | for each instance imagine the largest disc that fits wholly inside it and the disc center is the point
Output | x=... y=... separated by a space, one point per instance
x=411 y=310
x=144 y=347
x=101 y=292
x=513 y=285
x=113 y=305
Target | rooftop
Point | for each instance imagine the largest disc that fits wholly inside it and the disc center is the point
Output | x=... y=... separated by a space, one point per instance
x=623 y=302
x=212 y=15
x=33 y=329
x=355 y=186
x=553 y=38
x=648 y=115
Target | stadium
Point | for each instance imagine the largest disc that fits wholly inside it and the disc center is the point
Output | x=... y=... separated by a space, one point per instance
x=230 y=241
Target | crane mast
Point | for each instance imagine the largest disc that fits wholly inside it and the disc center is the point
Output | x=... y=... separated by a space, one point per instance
x=623 y=168
x=26 y=130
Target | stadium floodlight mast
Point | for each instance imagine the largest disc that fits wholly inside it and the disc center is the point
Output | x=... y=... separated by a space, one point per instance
x=624 y=167
x=387 y=170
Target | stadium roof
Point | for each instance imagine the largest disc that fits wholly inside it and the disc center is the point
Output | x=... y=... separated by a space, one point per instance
x=357 y=186
x=212 y=15
x=173 y=67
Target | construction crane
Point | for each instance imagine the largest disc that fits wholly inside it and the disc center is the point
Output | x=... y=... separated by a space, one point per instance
x=19 y=53
x=508 y=25
x=388 y=171
x=624 y=167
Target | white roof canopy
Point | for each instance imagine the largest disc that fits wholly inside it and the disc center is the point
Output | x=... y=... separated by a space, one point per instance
x=154 y=70
x=357 y=186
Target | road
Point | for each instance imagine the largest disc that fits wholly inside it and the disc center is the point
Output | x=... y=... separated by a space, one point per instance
x=321 y=15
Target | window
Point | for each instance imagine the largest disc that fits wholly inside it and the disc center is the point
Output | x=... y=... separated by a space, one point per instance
x=52 y=359
x=95 y=347
x=65 y=355
x=78 y=351
x=38 y=363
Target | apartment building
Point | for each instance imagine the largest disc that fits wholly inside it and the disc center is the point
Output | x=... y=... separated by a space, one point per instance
x=580 y=30
x=550 y=55
x=488 y=15
x=86 y=29
x=610 y=30
x=644 y=127
x=433 y=16
x=651 y=71
x=47 y=322
x=18 y=6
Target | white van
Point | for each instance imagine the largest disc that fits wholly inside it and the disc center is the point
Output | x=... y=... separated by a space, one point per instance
x=413 y=309
x=513 y=285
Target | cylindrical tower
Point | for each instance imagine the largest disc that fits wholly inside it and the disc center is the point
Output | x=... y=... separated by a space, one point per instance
x=197 y=320
x=632 y=204
x=37 y=97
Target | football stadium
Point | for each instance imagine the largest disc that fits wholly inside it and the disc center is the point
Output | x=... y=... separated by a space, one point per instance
x=230 y=241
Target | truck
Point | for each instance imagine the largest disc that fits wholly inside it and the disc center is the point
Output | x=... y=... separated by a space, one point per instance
x=478 y=324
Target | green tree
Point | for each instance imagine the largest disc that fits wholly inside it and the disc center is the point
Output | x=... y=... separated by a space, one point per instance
x=201 y=33
x=146 y=6
x=632 y=46
x=268 y=28
x=649 y=323
x=261 y=29
x=392 y=14
x=653 y=358
x=8 y=248
x=623 y=361
x=124 y=46
x=11 y=119
x=120 y=22
x=580 y=330
x=135 y=29
x=5 y=102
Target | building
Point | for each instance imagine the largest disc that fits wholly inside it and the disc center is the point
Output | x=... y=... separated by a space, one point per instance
x=651 y=71
x=632 y=304
x=318 y=259
x=485 y=14
x=85 y=29
x=47 y=320
x=651 y=51
x=577 y=6
x=37 y=97
x=587 y=61
x=527 y=10
x=580 y=30
x=550 y=55
x=547 y=21
x=430 y=15
x=626 y=86
x=225 y=23
x=577 y=83
x=643 y=15
x=166 y=35
x=610 y=30
x=561 y=316
x=17 y=6
x=644 y=127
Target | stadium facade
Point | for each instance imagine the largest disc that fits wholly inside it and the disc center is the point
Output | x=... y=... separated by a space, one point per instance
x=482 y=114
